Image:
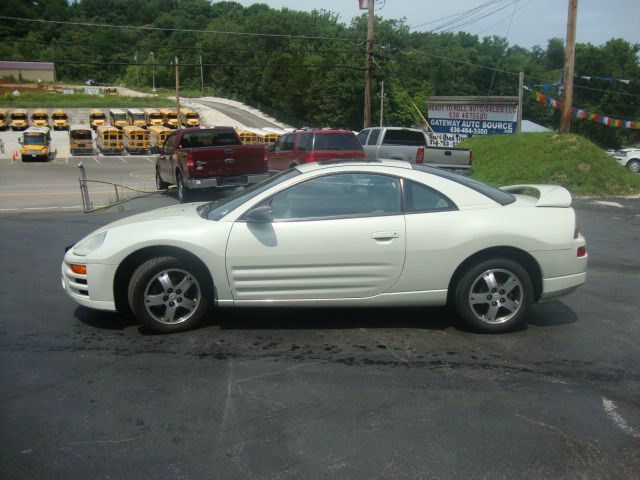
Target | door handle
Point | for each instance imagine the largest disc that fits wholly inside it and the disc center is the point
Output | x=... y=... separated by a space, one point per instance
x=385 y=235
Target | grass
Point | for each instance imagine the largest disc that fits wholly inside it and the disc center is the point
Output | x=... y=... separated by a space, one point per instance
x=568 y=160
x=77 y=100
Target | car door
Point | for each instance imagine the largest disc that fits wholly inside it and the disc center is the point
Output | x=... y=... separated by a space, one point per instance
x=278 y=159
x=335 y=236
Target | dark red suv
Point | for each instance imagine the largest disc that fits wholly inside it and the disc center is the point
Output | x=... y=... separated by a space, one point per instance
x=317 y=145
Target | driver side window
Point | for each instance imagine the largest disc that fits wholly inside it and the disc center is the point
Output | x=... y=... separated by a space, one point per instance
x=339 y=196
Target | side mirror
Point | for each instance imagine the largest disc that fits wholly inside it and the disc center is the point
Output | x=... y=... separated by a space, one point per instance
x=260 y=214
x=20 y=141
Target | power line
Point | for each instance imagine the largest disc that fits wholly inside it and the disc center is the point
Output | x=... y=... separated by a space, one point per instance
x=456 y=15
x=182 y=30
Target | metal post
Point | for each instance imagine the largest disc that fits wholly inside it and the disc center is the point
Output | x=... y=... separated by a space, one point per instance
x=520 y=93
x=381 y=101
x=153 y=73
x=84 y=190
x=201 y=78
x=178 y=92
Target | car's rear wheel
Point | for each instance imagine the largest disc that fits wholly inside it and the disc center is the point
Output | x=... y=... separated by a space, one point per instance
x=494 y=295
x=183 y=191
x=167 y=295
x=634 y=165
x=160 y=185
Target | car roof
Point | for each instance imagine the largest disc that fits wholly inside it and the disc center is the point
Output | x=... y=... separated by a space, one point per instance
x=350 y=164
x=323 y=130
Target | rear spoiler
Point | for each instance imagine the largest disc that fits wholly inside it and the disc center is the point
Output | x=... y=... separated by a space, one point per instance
x=547 y=195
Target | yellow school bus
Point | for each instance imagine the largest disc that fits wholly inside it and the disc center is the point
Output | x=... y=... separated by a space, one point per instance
x=97 y=118
x=136 y=117
x=35 y=144
x=271 y=138
x=153 y=117
x=117 y=118
x=40 y=118
x=189 y=118
x=80 y=140
x=60 y=120
x=109 y=139
x=157 y=135
x=18 y=120
x=170 y=117
x=136 y=139
x=4 y=118
x=251 y=137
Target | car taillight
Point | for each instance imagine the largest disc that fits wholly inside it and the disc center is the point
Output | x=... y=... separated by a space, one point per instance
x=420 y=155
x=582 y=251
x=310 y=158
x=191 y=166
x=470 y=157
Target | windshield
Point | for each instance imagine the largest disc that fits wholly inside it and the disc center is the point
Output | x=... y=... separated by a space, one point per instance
x=81 y=134
x=219 y=208
x=139 y=118
x=59 y=116
x=192 y=116
x=34 y=139
x=120 y=116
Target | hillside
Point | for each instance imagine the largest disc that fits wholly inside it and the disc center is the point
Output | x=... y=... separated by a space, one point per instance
x=567 y=160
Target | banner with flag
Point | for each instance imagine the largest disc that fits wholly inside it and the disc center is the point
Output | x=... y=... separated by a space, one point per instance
x=583 y=115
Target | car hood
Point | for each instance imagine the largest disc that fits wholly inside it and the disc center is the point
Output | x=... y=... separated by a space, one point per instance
x=165 y=213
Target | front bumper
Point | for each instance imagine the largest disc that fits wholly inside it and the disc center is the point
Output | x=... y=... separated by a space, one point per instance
x=93 y=290
x=226 y=182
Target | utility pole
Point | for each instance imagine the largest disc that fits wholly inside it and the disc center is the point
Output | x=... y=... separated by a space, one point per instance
x=153 y=74
x=381 y=101
x=201 y=78
x=369 y=65
x=520 y=93
x=178 y=92
x=569 y=61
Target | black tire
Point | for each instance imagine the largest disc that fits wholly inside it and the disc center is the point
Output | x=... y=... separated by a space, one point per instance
x=158 y=302
x=160 y=185
x=634 y=165
x=484 y=305
x=183 y=192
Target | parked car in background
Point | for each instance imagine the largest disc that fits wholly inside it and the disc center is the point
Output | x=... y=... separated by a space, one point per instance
x=411 y=145
x=312 y=145
x=629 y=157
x=198 y=158
x=373 y=233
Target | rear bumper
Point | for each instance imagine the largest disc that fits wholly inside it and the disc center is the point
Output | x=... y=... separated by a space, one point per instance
x=560 y=286
x=226 y=182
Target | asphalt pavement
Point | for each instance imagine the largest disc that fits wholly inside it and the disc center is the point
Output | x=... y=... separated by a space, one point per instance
x=303 y=393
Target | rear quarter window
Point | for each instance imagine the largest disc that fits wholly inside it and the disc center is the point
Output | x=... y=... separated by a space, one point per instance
x=404 y=137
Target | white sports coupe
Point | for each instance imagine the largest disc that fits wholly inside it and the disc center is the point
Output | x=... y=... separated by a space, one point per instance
x=351 y=233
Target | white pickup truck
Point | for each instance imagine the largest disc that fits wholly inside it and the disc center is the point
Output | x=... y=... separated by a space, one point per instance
x=410 y=144
x=629 y=157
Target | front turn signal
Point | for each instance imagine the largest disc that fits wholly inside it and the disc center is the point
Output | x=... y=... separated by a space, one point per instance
x=78 y=269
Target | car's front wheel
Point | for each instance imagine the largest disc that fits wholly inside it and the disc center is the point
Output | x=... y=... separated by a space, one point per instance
x=167 y=295
x=634 y=165
x=494 y=295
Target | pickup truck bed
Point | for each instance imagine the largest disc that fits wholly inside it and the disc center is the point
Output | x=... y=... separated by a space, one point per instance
x=410 y=145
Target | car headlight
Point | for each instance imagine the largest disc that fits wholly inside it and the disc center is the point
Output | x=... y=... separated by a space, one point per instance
x=85 y=247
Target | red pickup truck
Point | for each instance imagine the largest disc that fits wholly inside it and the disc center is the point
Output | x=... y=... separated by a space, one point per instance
x=196 y=158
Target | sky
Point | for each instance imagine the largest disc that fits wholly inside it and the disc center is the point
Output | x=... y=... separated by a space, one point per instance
x=533 y=23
